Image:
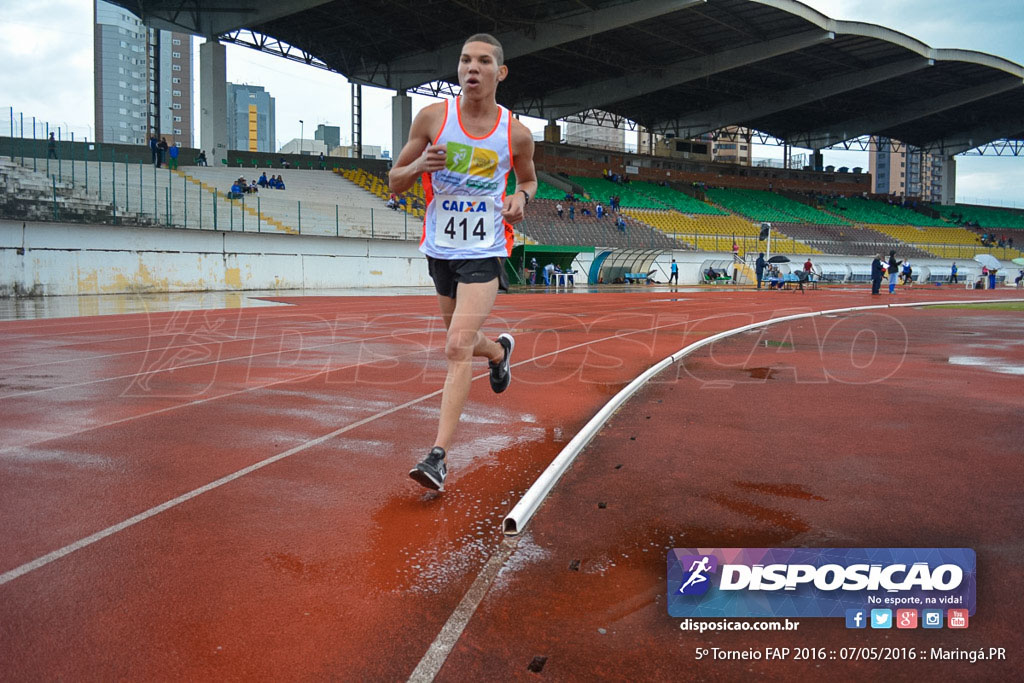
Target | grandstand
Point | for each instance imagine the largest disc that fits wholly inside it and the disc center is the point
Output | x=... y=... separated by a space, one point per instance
x=853 y=241
x=945 y=242
x=677 y=200
x=714 y=233
x=983 y=216
x=872 y=212
x=543 y=225
x=760 y=205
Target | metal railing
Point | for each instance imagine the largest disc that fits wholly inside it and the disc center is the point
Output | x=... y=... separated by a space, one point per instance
x=75 y=180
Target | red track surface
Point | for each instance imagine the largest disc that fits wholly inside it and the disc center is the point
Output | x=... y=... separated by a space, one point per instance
x=328 y=561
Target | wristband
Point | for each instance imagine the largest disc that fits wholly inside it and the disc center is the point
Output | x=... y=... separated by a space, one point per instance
x=527 y=195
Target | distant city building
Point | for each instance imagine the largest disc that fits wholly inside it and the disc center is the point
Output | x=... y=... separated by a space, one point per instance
x=301 y=146
x=251 y=125
x=733 y=146
x=602 y=137
x=142 y=79
x=908 y=172
x=330 y=135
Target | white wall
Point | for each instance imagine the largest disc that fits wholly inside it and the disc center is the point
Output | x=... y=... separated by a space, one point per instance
x=59 y=259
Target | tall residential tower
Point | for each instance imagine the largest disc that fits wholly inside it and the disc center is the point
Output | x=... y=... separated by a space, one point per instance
x=142 y=79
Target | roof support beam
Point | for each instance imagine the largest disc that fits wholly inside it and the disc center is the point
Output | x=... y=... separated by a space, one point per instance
x=596 y=95
x=878 y=123
x=211 y=18
x=409 y=72
x=962 y=141
x=740 y=113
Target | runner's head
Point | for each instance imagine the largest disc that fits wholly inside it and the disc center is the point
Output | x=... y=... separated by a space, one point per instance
x=481 y=65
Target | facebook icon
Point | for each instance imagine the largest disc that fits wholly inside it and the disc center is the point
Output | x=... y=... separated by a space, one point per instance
x=856 y=618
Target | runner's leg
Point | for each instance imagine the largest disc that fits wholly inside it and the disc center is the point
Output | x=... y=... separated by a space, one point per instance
x=464 y=341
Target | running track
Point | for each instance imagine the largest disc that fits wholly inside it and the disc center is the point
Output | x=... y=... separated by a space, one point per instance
x=222 y=494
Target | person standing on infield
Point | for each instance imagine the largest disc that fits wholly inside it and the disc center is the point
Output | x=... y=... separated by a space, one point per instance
x=464 y=150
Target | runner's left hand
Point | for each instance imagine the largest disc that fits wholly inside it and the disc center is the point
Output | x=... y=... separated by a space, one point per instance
x=512 y=209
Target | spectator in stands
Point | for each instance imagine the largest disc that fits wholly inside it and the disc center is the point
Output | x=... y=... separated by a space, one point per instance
x=322 y=164
x=284 y=163
x=894 y=269
x=263 y=182
x=559 y=209
x=735 y=251
x=620 y=223
x=51 y=147
x=392 y=202
x=253 y=188
x=153 y=150
x=572 y=212
x=201 y=159
x=585 y=211
x=403 y=202
x=877 y=272
x=759 y=265
x=1009 y=242
x=236 y=191
x=280 y=182
x=600 y=210
x=161 y=152
x=173 y=154
x=674 y=273
x=952 y=274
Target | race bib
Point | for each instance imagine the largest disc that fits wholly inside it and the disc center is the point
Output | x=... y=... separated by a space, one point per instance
x=463 y=222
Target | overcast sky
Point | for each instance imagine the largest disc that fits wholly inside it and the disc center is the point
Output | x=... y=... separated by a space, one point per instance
x=46 y=50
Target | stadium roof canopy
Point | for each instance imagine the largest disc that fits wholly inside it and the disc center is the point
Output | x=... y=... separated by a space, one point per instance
x=674 y=66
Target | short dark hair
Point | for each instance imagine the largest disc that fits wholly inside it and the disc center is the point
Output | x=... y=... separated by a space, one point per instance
x=499 y=53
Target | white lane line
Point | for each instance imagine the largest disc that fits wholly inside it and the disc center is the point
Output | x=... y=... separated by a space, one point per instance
x=438 y=652
x=520 y=515
x=99 y=535
x=163 y=507
x=211 y=340
x=277 y=352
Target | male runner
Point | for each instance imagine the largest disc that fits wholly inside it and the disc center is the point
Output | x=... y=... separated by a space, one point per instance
x=464 y=149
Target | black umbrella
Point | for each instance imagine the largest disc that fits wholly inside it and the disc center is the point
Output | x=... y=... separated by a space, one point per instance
x=779 y=258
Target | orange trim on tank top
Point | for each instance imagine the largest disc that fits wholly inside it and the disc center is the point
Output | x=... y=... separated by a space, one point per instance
x=458 y=115
x=443 y=122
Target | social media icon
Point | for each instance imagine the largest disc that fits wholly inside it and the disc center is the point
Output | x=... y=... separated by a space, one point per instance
x=906 y=618
x=957 y=618
x=856 y=618
x=931 y=618
x=881 y=618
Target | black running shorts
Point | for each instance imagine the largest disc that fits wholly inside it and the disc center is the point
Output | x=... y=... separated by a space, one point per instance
x=448 y=274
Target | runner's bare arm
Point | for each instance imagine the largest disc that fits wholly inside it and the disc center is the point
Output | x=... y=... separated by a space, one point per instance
x=526 y=175
x=419 y=156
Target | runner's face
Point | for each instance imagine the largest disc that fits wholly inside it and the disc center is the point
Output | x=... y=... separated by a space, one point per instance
x=479 y=73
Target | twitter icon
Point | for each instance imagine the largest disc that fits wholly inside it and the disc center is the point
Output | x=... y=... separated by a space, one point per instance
x=881 y=618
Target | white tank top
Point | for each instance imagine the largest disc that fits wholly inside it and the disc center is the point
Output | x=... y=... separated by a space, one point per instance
x=464 y=200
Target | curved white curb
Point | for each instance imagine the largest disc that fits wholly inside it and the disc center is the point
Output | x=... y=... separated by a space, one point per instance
x=520 y=515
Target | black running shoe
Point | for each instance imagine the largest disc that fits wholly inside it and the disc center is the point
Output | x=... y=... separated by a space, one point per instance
x=431 y=471
x=501 y=372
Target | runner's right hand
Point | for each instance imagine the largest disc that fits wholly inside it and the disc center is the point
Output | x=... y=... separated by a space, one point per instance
x=433 y=158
